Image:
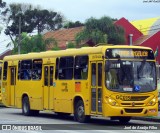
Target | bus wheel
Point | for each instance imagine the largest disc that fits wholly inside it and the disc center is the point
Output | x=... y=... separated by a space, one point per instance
x=124 y=120
x=26 y=106
x=80 y=112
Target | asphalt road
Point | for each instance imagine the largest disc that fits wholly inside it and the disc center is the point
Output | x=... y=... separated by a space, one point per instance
x=49 y=122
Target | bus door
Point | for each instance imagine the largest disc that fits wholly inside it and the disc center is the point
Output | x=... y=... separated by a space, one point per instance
x=48 y=95
x=96 y=87
x=12 y=84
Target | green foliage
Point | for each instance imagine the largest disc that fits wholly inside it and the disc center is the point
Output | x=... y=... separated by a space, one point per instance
x=71 y=45
x=31 y=19
x=71 y=24
x=101 y=31
x=56 y=48
x=34 y=43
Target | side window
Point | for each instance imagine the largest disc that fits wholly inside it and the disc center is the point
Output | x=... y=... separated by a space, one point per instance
x=57 y=68
x=19 y=69
x=25 y=69
x=5 y=66
x=37 y=69
x=66 y=68
x=81 y=67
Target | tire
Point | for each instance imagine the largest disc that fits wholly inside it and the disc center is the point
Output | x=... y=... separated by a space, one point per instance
x=79 y=114
x=26 y=107
x=124 y=120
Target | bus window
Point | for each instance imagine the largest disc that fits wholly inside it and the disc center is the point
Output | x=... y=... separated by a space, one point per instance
x=46 y=76
x=66 y=68
x=37 y=69
x=81 y=67
x=94 y=74
x=25 y=69
x=99 y=74
x=5 y=70
x=57 y=68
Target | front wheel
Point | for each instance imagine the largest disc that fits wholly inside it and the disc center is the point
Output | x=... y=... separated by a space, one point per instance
x=80 y=112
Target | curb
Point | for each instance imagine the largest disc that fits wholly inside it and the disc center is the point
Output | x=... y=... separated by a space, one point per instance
x=153 y=119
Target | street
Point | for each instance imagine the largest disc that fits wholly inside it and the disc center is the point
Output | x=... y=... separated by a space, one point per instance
x=47 y=121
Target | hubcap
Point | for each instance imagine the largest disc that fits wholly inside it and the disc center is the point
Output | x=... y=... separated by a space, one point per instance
x=80 y=111
x=25 y=108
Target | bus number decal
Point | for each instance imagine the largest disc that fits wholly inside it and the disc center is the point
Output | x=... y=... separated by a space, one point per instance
x=96 y=57
x=123 y=98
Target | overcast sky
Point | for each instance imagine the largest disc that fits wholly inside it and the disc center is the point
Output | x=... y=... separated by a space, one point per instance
x=80 y=10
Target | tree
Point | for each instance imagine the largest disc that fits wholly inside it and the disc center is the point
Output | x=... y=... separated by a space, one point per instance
x=15 y=20
x=101 y=31
x=71 y=45
x=71 y=24
x=26 y=18
x=2 y=11
x=43 y=19
x=34 y=43
x=30 y=19
x=55 y=48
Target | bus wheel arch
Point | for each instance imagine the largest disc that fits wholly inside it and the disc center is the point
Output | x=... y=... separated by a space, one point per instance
x=26 y=110
x=79 y=110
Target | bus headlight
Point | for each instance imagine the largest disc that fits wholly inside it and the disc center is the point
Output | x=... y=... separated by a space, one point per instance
x=152 y=102
x=112 y=102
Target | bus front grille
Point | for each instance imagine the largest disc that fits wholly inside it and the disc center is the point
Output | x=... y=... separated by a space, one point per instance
x=135 y=98
x=133 y=110
x=131 y=104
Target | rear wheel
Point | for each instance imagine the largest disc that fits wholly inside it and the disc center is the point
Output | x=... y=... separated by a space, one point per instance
x=79 y=114
x=26 y=106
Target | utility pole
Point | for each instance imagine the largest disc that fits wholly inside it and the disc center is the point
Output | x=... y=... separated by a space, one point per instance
x=19 y=40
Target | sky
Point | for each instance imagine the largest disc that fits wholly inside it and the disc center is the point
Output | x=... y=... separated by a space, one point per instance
x=80 y=10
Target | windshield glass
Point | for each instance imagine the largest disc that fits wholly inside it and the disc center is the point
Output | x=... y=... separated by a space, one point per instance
x=130 y=76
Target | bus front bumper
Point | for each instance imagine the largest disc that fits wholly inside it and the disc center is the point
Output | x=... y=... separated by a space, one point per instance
x=130 y=111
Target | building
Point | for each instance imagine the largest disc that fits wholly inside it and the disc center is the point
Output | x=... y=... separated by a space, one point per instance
x=147 y=26
x=139 y=37
x=141 y=32
x=129 y=29
x=5 y=53
x=63 y=36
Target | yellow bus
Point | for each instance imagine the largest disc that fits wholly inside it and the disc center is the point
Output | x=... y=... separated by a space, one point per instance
x=0 y=79
x=109 y=81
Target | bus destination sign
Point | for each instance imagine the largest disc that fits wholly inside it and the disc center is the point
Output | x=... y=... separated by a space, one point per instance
x=130 y=53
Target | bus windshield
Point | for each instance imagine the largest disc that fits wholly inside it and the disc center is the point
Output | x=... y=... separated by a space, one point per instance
x=130 y=76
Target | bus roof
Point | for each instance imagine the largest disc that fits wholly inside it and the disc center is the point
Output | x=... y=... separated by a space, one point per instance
x=67 y=52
